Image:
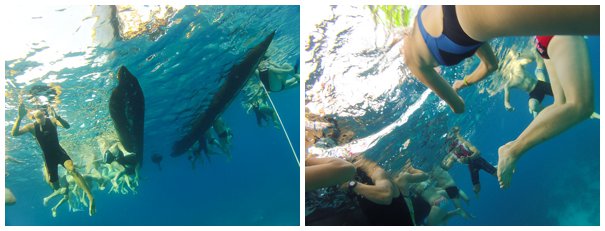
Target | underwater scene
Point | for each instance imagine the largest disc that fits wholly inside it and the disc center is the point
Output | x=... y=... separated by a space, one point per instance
x=364 y=105
x=152 y=115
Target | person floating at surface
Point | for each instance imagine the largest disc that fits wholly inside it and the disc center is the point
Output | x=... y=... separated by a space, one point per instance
x=44 y=130
x=436 y=197
x=568 y=66
x=517 y=77
x=157 y=159
x=224 y=135
x=445 y=181
x=459 y=149
x=277 y=78
x=121 y=164
x=446 y=35
x=264 y=113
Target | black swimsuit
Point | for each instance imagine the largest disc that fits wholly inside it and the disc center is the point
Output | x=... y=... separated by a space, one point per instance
x=52 y=151
x=396 y=213
x=540 y=90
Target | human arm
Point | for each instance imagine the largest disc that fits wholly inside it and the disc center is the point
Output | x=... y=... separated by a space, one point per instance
x=291 y=82
x=430 y=78
x=325 y=172
x=380 y=193
x=122 y=149
x=507 y=100
x=16 y=131
x=488 y=64
x=448 y=161
x=57 y=120
x=283 y=69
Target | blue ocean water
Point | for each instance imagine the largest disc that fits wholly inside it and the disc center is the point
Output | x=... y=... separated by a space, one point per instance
x=556 y=183
x=178 y=72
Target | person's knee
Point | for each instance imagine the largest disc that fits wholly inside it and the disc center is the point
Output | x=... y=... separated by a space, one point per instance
x=534 y=105
x=583 y=108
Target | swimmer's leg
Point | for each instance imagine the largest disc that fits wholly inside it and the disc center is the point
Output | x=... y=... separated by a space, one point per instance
x=534 y=107
x=569 y=70
x=68 y=164
x=595 y=116
x=57 y=190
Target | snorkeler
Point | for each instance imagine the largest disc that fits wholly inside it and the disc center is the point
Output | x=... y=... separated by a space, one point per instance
x=44 y=130
x=568 y=66
x=444 y=180
x=121 y=163
x=277 y=78
x=265 y=113
x=517 y=77
x=157 y=159
x=447 y=35
x=224 y=135
x=436 y=197
x=459 y=149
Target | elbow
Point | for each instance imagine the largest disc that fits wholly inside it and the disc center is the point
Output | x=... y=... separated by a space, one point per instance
x=458 y=106
x=384 y=198
x=491 y=67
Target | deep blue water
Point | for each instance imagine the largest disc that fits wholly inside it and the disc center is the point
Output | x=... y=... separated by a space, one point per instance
x=178 y=74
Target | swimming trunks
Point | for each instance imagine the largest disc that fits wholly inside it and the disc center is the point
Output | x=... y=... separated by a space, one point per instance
x=542 y=45
x=453 y=192
x=540 y=90
x=53 y=153
x=453 y=45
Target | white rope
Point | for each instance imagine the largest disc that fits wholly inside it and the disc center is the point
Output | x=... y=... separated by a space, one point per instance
x=282 y=125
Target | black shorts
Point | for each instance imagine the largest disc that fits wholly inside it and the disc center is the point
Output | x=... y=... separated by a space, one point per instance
x=453 y=192
x=52 y=161
x=542 y=89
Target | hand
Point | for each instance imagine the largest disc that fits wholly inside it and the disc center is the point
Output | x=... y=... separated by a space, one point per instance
x=22 y=110
x=51 y=111
x=509 y=107
x=458 y=84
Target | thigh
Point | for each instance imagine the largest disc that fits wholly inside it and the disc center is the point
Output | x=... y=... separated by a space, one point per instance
x=569 y=57
x=555 y=85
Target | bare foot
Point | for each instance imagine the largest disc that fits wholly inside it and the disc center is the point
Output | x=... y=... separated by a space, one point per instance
x=54 y=212
x=506 y=164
